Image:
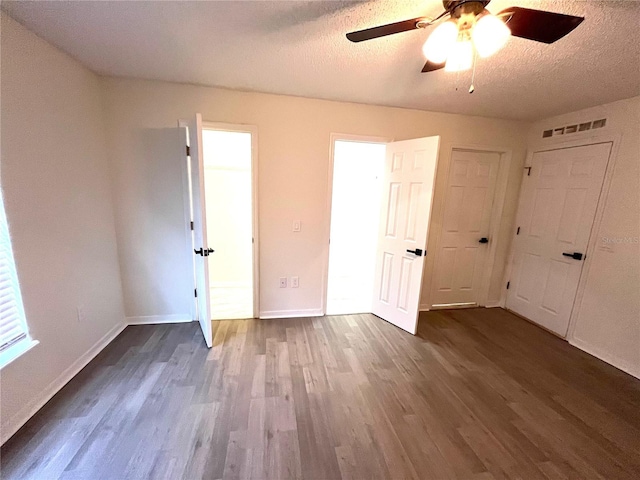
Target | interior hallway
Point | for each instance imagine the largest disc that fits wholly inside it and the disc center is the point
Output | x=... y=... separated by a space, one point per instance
x=479 y=393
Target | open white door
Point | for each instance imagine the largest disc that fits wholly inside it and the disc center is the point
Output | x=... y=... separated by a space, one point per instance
x=202 y=250
x=407 y=194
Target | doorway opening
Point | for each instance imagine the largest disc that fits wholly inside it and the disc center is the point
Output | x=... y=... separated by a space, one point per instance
x=358 y=169
x=229 y=199
x=380 y=204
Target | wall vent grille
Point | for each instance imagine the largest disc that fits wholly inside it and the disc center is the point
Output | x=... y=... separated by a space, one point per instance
x=576 y=128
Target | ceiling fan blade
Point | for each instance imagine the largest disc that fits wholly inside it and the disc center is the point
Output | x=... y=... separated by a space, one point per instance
x=538 y=25
x=384 y=30
x=430 y=66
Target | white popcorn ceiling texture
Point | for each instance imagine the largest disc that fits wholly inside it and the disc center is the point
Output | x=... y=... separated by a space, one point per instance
x=299 y=48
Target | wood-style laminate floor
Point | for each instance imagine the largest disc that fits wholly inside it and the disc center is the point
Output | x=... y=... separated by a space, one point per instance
x=479 y=394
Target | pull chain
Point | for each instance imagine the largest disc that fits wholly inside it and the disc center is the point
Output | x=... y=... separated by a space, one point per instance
x=473 y=75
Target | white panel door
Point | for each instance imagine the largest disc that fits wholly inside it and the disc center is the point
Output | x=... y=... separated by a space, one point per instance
x=404 y=222
x=464 y=239
x=557 y=208
x=202 y=250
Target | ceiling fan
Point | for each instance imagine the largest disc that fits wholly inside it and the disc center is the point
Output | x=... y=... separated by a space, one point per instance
x=471 y=25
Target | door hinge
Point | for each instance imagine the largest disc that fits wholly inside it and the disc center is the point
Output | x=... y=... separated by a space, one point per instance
x=195 y=292
x=191 y=225
x=508 y=283
x=188 y=151
x=517 y=231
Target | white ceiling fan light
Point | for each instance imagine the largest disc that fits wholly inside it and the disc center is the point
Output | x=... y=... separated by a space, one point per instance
x=489 y=34
x=454 y=41
x=441 y=41
x=461 y=56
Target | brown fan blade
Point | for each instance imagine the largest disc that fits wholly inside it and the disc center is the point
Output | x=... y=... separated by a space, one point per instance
x=384 y=30
x=538 y=25
x=430 y=66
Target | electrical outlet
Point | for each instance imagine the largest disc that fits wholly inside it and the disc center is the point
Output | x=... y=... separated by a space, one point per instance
x=297 y=226
x=283 y=282
x=294 y=282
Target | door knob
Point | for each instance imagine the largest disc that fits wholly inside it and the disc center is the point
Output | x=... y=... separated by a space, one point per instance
x=574 y=255
x=483 y=240
x=417 y=252
x=204 y=251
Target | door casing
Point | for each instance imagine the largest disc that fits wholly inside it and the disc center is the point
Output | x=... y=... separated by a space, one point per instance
x=253 y=130
x=484 y=251
x=502 y=181
x=327 y=223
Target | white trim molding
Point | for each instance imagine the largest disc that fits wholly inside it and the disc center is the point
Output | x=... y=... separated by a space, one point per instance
x=13 y=424
x=311 y=312
x=493 y=305
x=157 y=319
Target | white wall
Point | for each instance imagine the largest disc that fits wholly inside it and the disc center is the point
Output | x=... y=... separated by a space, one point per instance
x=607 y=324
x=56 y=185
x=293 y=150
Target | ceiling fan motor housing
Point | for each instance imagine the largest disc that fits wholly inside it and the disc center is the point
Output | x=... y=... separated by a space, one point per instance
x=465 y=13
x=458 y=7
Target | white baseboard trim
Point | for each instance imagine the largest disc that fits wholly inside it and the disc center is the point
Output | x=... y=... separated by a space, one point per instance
x=155 y=319
x=311 y=312
x=213 y=285
x=620 y=364
x=29 y=410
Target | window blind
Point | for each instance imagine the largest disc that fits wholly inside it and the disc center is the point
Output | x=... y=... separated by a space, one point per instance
x=13 y=327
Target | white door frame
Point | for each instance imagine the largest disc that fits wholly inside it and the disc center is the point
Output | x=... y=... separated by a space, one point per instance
x=253 y=130
x=327 y=224
x=504 y=166
x=559 y=144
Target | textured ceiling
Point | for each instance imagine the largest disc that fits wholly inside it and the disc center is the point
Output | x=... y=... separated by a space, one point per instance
x=299 y=48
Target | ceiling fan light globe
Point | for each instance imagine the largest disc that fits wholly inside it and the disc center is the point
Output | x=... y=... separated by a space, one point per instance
x=489 y=35
x=437 y=47
x=461 y=57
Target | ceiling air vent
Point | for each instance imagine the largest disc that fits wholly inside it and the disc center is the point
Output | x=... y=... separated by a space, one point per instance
x=569 y=129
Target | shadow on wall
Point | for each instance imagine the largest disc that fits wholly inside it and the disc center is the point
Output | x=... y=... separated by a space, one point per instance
x=152 y=217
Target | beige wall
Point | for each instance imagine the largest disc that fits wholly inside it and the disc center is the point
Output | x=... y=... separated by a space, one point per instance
x=293 y=151
x=607 y=323
x=57 y=163
x=56 y=188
